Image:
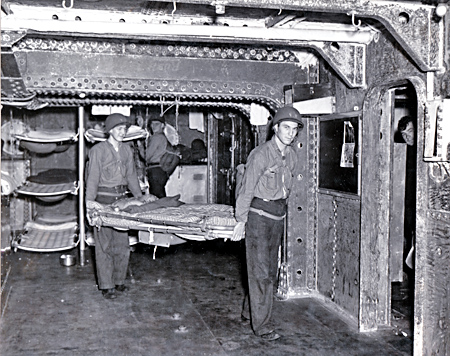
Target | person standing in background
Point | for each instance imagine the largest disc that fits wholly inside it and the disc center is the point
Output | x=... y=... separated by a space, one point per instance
x=406 y=128
x=156 y=147
x=110 y=173
x=260 y=213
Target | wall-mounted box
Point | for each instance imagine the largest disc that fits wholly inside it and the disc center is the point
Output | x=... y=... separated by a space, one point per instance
x=300 y=92
x=190 y=182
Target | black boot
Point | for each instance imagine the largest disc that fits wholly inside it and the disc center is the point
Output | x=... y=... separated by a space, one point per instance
x=122 y=288
x=109 y=293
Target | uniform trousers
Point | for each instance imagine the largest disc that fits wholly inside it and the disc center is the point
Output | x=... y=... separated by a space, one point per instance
x=157 y=178
x=112 y=252
x=262 y=241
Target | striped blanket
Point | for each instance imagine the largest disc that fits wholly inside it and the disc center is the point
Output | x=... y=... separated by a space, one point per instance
x=214 y=220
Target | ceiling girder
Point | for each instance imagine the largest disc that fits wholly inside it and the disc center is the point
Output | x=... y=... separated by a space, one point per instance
x=413 y=25
x=347 y=59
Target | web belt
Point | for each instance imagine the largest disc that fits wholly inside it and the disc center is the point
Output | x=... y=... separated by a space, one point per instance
x=266 y=214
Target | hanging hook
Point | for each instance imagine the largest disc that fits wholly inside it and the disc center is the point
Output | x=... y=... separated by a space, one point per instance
x=353 y=13
x=176 y=114
x=279 y=12
x=439 y=172
x=161 y=99
x=170 y=107
x=67 y=7
x=174 y=8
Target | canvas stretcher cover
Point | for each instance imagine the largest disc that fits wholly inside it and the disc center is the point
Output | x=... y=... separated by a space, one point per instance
x=190 y=221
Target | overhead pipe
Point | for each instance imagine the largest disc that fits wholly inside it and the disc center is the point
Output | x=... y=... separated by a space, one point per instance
x=304 y=32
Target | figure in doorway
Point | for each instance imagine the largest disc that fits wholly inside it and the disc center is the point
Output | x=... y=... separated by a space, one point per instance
x=152 y=154
x=260 y=212
x=198 y=151
x=406 y=128
x=110 y=173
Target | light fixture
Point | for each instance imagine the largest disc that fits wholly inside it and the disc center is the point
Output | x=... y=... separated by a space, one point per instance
x=220 y=9
x=441 y=9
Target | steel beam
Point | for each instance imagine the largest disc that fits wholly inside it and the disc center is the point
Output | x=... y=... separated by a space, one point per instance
x=413 y=25
x=145 y=71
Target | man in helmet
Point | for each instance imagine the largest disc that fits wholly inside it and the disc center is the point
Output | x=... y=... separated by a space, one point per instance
x=260 y=213
x=110 y=173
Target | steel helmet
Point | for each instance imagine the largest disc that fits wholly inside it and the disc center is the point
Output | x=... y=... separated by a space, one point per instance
x=288 y=113
x=114 y=120
x=161 y=119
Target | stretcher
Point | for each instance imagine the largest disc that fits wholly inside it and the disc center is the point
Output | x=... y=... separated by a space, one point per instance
x=133 y=132
x=198 y=222
x=39 y=237
x=47 y=136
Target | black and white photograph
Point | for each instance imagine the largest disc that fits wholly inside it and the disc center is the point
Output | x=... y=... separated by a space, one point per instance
x=225 y=178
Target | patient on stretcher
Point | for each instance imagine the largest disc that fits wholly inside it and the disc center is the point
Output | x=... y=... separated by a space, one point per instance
x=132 y=205
x=167 y=215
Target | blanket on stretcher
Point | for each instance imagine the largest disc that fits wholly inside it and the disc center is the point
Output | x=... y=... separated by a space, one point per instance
x=167 y=212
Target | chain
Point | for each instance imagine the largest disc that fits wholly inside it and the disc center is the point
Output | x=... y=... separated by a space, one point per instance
x=283 y=280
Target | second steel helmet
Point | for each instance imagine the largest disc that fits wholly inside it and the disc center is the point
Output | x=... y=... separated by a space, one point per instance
x=288 y=113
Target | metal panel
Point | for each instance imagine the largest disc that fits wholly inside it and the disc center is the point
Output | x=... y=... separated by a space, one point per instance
x=370 y=197
x=437 y=338
x=338 y=250
x=397 y=216
x=301 y=237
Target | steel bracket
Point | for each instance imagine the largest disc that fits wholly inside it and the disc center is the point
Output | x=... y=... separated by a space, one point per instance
x=348 y=60
x=11 y=37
